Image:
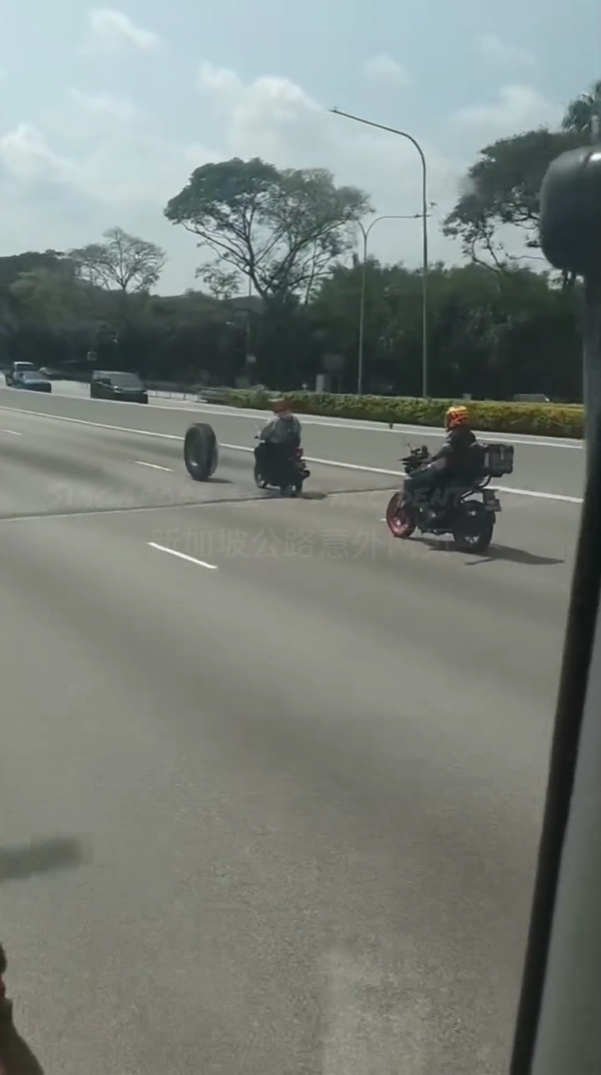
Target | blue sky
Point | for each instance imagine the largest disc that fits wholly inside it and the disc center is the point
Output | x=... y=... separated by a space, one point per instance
x=104 y=112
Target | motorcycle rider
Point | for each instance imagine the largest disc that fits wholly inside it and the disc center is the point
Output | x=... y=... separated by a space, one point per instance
x=457 y=442
x=448 y=465
x=278 y=439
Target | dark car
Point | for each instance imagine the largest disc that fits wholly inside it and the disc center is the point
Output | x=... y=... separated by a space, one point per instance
x=126 y=387
x=32 y=381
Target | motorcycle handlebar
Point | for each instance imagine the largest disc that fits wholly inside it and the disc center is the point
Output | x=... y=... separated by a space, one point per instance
x=416 y=455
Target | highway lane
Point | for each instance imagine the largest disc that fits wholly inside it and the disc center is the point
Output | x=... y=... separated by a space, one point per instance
x=556 y=468
x=306 y=772
x=55 y=467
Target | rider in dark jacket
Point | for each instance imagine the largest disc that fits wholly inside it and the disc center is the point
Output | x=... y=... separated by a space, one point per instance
x=284 y=429
x=278 y=438
x=448 y=464
x=457 y=443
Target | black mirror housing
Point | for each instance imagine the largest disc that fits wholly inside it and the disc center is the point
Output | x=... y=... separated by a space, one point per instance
x=570 y=220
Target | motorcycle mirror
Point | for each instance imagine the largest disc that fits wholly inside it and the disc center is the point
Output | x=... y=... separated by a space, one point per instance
x=570 y=220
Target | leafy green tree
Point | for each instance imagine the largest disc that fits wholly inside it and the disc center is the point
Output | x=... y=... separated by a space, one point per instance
x=55 y=314
x=48 y=298
x=123 y=262
x=222 y=283
x=281 y=228
x=491 y=334
x=502 y=187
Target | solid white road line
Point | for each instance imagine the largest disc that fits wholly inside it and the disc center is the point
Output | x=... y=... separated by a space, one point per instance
x=182 y=556
x=400 y=474
x=12 y=432
x=153 y=466
x=310 y=459
x=537 y=495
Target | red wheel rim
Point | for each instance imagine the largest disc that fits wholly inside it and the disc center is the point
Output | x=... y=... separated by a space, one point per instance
x=399 y=518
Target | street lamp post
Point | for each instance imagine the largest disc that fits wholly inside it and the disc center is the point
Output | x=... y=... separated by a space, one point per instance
x=365 y=233
x=424 y=216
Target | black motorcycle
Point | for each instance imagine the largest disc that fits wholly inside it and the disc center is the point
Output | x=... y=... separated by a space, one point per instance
x=467 y=511
x=287 y=472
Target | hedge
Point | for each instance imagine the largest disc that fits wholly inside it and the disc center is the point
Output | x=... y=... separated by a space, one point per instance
x=543 y=419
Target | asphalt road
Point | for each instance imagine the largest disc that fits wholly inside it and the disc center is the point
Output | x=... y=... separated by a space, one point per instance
x=283 y=774
x=541 y=464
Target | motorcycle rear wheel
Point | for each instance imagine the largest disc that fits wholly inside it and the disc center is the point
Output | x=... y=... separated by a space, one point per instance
x=292 y=490
x=259 y=479
x=400 y=519
x=473 y=529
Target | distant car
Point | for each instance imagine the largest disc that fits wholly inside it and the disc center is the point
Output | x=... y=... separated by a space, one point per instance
x=126 y=387
x=215 y=394
x=16 y=369
x=32 y=381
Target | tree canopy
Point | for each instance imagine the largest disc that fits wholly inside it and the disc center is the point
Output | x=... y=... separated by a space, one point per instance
x=282 y=229
x=123 y=261
x=502 y=186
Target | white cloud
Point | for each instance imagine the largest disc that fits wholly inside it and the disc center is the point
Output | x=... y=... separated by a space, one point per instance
x=383 y=68
x=277 y=120
x=113 y=31
x=124 y=172
x=495 y=49
x=104 y=106
x=27 y=157
x=218 y=79
x=518 y=108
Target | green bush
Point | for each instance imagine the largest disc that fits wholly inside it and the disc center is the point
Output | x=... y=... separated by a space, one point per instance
x=543 y=419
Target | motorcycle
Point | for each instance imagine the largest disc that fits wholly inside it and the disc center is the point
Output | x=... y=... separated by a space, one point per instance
x=470 y=511
x=294 y=473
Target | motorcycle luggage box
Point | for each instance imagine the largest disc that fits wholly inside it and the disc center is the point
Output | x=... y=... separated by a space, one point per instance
x=498 y=459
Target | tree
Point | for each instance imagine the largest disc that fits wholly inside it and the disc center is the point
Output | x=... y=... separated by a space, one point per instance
x=491 y=334
x=282 y=229
x=222 y=284
x=54 y=312
x=502 y=188
x=46 y=298
x=122 y=262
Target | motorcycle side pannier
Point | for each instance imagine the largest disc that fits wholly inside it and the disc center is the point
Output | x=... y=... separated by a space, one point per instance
x=498 y=459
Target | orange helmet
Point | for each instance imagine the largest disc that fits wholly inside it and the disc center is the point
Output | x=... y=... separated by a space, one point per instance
x=456 y=416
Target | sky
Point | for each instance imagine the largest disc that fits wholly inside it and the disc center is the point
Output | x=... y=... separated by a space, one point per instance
x=105 y=112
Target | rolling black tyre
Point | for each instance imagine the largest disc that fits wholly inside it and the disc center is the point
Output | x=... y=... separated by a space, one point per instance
x=473 y=529
x=201 y=452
